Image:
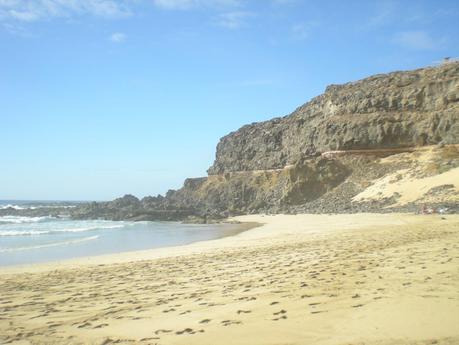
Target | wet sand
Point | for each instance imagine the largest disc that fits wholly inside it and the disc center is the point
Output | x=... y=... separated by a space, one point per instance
x=303 y=279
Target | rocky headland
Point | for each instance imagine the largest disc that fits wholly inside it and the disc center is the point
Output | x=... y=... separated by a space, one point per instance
x=382 y=144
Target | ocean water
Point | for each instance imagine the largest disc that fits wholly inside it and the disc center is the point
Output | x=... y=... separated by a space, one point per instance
x=25 y=240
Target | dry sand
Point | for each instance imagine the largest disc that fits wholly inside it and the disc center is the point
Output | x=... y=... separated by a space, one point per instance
x=304 y=279
x=430 y=167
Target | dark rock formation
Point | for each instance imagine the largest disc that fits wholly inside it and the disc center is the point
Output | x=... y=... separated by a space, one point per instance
x=131 y=208
x=247 y=192
x=399 y=109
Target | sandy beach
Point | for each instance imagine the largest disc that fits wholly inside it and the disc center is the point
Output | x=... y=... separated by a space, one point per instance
x=297 y=279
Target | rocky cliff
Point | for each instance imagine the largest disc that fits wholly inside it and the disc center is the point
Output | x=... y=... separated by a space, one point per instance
x=327 y=156
x=285 y=164
x=400 y=109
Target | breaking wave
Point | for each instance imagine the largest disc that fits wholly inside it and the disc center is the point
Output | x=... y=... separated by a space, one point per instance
x=16 y=207
x=56 y=244
x=32 y=206
x=22 y=220
x=31 y=232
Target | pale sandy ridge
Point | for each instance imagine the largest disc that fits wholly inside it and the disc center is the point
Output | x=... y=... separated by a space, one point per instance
x=304 y=279
x=430 y=167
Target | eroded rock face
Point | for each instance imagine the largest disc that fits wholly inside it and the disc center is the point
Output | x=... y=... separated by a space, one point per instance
x=246 y=192
x=277 y=166
x=399 y=109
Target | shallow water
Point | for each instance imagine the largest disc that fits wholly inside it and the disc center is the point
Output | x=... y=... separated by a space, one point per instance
x=25 y=240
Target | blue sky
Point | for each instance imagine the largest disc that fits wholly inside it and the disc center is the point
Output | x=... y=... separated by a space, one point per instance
x=101 y=97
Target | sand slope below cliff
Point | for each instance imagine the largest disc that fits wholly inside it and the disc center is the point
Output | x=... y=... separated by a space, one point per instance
x=432 y=177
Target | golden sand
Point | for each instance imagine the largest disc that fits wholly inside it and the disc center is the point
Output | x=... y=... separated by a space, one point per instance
x=304 y=279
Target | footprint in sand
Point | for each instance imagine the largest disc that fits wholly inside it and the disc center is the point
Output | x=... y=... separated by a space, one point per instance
x=85 y=325
x=168 y=310
x=188 y=331
x=283 y=317
x=159 y=331
x=101 y=325
x=230 y=322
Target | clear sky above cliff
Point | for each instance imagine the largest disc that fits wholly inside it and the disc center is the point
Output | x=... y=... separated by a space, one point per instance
x=101 y=97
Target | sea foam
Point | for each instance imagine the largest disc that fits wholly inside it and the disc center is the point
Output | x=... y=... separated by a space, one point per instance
x=21 y=220
x=16 y=207
x=31 y=232
x=47 y=245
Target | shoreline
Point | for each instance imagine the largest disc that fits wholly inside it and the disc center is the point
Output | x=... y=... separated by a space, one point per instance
x=298 y=279
x=201 y=247
x=120 y=257
x=187 y=249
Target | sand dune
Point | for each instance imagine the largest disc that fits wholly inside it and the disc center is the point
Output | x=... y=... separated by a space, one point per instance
x=304 y=279
x=430 y=168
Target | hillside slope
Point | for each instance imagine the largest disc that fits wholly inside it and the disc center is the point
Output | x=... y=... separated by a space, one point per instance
x=339 y=182
x=425 y=176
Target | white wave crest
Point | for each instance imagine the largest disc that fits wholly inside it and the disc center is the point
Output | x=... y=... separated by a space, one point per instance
x=56 y=244
x=55 y=231
x=22 y=232
x=16 y=207
x=21 y=220
x=33 y=207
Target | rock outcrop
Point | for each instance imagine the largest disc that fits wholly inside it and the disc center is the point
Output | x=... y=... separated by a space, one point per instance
x=131 y=208
x=280 y=165
x=251 y=191
x=400 y=109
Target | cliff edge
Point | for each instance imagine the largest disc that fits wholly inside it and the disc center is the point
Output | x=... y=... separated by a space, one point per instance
x=395 y=110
